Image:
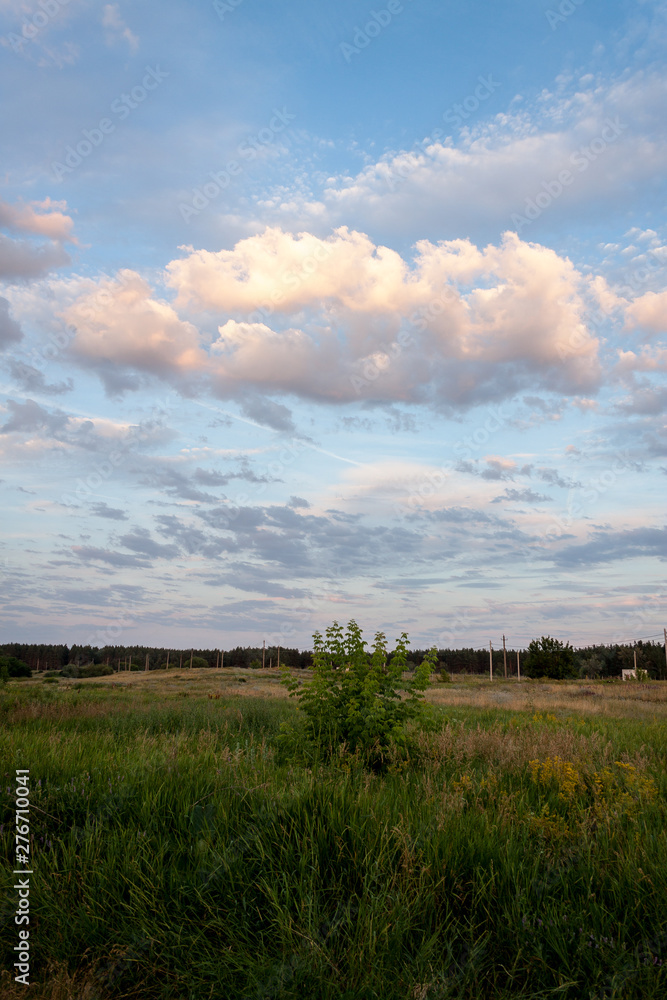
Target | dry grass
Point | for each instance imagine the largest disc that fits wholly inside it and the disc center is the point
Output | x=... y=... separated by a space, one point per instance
x=641 y=702
x=583 y=698
x=511 y=749
x=58 y=985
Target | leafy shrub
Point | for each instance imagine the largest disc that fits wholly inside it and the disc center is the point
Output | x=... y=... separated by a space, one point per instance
x=591 y=666
x=358 y=698
x=199 y=662
x=88 y=670
x=550 y=658
x=11 y=666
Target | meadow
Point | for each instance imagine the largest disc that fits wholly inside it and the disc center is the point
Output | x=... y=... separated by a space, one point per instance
x=184 y=849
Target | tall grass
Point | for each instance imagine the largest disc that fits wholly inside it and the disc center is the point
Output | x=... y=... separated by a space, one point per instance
x=182 y=851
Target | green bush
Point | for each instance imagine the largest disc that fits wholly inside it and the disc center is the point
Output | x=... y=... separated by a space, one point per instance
x=88 y=670
x=550 y=658
x=357 y=698
x=11 y=666
x=199 y=662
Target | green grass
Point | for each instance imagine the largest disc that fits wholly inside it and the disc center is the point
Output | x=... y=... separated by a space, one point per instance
x=181 y=851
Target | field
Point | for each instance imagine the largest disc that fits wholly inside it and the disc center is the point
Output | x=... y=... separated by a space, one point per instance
x=183 y=849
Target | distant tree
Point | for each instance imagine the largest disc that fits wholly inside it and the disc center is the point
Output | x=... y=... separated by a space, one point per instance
x=198 y=661
x=591 y=666
x=550 y=658
x=11 y=666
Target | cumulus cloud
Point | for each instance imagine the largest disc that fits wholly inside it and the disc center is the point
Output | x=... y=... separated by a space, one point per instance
x=341 y=319
x=21 y=259
x=39 y=218
x=649 y=312
x=121 y=325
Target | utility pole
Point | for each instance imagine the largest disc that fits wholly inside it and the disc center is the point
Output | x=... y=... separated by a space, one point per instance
x=217 y=658
x=665 y=633
x=146 y=667
x=504 y=657
x=635 y=655
x=222 y=659
x=518 y=668
x=167 y=659
x=279 y=650
x=180 y=665
x=490 y=661
x=263 y=651
x=191 y=655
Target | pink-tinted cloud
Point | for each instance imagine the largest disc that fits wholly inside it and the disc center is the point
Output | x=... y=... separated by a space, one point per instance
x=120 y=322
x=38 y=218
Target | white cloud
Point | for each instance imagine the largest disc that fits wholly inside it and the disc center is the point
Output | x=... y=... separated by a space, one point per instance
x=457 y=325
x=119 y=322
x=649 y=312
x=22 y=259
x=607 y=134
x=116 y=28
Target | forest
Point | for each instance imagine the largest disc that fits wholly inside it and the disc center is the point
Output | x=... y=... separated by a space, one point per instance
x=591 y=661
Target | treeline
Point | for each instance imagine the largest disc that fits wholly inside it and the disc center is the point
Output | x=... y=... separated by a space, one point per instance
x=592 y=661
x=43 y=657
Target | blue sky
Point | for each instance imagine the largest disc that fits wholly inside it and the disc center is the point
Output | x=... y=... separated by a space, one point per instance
x=312 y=312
